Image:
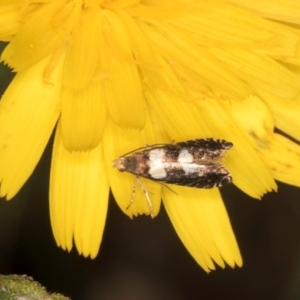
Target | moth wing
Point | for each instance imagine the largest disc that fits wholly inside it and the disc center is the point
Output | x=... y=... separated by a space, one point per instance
x=207 y=181
x=206 y=144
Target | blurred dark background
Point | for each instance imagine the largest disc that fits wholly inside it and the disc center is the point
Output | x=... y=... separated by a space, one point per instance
x=143 y=258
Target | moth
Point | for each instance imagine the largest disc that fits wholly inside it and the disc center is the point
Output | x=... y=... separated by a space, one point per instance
x=194 y=163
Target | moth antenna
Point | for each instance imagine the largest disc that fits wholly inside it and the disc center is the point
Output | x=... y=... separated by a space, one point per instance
x=146 y=146
x=167 y=187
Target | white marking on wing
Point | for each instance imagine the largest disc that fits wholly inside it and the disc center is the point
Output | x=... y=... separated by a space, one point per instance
x=157 y=170
x=185 y=157
x=191 y=168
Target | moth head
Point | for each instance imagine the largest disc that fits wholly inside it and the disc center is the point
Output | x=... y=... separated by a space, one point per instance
x=120 y=163
x=226 y=178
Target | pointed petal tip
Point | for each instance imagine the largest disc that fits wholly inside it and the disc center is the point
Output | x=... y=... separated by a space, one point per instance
x=93 y=255
x=239 y=263
x=6 y=194
x=90 y=253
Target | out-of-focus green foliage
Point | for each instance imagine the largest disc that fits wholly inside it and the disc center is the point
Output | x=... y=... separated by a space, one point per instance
x=16 y=287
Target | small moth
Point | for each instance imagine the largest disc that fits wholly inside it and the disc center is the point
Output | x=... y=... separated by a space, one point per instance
x=194 y=163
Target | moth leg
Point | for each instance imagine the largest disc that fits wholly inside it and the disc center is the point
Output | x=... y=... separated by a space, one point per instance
x=137 y=179
x=133 y=192
x=146 y=195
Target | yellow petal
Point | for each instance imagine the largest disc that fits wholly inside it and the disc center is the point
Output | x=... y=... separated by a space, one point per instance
x=282 y=10
x=260 y=71
x=217 y=24
x=282 y=156
x=180 y=119
x=78 y=197
x=119 y=4
x=9 y=21
x=44 y=32
x=143 y=53
x=117 y=142
x=253 y=116
x=83 y=52
x=83 y=118
x=195 y=60
x=248 y=170
x=284 y=111
x=121 y=82
x=29 y=110
x=201 y=221
x=279 y=154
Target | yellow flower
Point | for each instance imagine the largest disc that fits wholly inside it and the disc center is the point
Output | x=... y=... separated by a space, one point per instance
x=117 y=75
